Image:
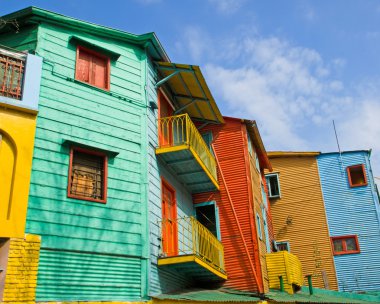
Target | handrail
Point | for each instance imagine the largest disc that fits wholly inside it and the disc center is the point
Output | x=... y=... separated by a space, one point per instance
x=11 y=74
x=193 y=239
x=180 y=130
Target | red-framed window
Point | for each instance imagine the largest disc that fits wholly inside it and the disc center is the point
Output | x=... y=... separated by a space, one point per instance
x=87 y=175
x=92 y=68
x=347 y=244
x=356 y=175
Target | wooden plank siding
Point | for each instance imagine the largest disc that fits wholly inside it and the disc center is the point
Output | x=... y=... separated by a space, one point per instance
x=301 y=206
x=352 y=211
x=230 y=146
x=161 y=280
x=89 y=251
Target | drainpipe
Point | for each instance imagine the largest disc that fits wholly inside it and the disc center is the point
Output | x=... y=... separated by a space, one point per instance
x=310 y=283
x=281 y=283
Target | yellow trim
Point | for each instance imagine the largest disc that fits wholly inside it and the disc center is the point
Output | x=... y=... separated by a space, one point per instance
x=161 y=150
x=181 y=132
x=204 y=168
x=189 y=259
x=274 y=154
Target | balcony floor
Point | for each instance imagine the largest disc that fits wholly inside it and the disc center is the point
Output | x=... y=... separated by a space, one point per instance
x=194 y=267
x=188 y=169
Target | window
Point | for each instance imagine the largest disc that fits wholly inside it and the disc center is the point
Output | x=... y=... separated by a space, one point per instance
x=345 y=244
x=92 y=68
x=250 y=149
x=273 y=185
x=87 y=175
x=260 y=233
x=356 y=175
x=207 y=137
x=283 y=246
x=208 y=215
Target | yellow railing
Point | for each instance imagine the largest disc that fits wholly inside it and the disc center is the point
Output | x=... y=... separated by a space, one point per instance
x=180 y=130
x=193 y=239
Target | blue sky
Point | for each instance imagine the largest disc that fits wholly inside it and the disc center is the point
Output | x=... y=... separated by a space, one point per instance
x=291 y=65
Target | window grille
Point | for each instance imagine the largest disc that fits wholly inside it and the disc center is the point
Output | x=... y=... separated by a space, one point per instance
x=11 y=74
x=87 y=175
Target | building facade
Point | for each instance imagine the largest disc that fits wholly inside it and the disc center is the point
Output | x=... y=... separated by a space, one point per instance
x=298 y=214
x=88 y=196
x=20 y=75
x=353 y=213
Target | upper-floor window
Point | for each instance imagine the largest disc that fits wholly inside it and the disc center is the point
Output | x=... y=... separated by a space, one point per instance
x=92 y=68
x=356 y=175
x=347 y=244
x=259 y=230
x=207 y=137
x=87 y=175
x=273 y=185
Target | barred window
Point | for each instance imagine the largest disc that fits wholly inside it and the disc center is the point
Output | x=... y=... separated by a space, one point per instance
x=87 y=176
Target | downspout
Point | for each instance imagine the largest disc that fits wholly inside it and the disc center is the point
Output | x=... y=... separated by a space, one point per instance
x=237 y=222
x=145 y=269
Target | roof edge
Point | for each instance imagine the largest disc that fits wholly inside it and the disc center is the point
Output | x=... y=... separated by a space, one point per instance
x=278 y=154
x=36 y=13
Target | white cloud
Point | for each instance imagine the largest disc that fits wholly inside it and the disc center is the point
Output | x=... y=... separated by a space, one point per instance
x=291 y=91
x=227 y=6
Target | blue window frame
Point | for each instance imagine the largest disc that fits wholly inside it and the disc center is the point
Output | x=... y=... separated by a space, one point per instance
x=283 y=246
x=207 y=214
x=273 y=184
x=258 y=222
x=266 y=233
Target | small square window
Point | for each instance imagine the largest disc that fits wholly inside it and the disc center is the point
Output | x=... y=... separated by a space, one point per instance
x=92 y=68
x=345 y=244
x=356 y=175
x=273 y=185
x=283 y=246
x=87 y=175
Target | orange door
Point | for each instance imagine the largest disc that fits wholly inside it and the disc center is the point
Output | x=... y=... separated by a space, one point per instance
x=166 y=125
x=169 y=221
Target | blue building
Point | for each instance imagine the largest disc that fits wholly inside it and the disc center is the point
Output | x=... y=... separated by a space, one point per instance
x=353 y=214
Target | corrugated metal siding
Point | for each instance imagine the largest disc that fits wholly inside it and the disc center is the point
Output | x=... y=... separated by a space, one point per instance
x=229 y=145
x=161 y=280
x=352 y=211
x=301 y=200
x=74 y=276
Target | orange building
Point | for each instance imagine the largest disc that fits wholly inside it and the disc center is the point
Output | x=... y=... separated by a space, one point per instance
x=246 y=230
x=298 y=214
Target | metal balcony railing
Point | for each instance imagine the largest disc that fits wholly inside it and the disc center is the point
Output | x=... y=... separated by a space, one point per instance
x=12 y=66
x=175 y=131
x=193 y=239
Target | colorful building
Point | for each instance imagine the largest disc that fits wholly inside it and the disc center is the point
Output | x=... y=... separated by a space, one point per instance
x=298 y=214
x=88 y=197
x=20 y=75
x=353 y=213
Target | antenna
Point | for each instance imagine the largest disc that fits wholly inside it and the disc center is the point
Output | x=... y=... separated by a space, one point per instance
x=337 y=142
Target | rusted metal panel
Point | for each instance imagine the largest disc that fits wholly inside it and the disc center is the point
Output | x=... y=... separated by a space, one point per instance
x=299 y=217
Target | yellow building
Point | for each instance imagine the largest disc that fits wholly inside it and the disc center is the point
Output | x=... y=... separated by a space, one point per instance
x=20 y=75
x=298 y=214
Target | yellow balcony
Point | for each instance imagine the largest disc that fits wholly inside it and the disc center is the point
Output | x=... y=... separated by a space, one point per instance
x=183 y=149
x=191 y=248
x=287 y=266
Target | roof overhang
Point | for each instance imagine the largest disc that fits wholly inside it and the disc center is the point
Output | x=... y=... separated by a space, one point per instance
x=279 y=154
x=34 y=15
x=189 y=90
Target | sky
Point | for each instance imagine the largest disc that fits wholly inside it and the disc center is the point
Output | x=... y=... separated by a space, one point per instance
x=291 y=65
